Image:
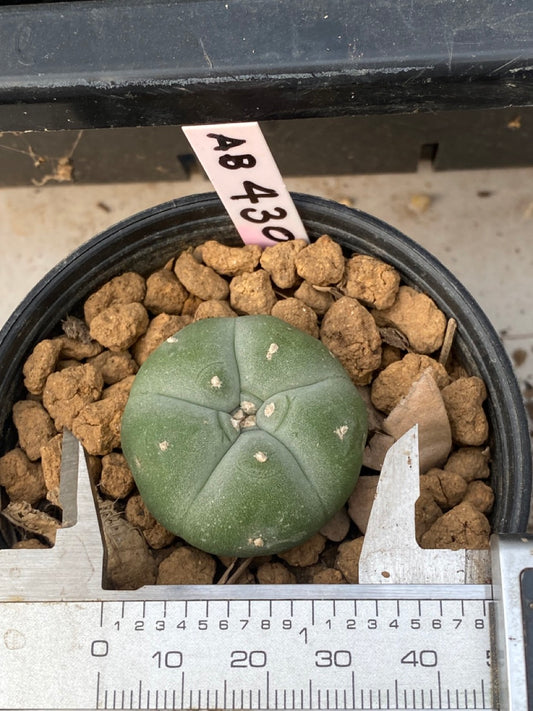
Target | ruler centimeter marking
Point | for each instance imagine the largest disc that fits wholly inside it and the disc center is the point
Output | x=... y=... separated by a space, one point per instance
x=316 y=654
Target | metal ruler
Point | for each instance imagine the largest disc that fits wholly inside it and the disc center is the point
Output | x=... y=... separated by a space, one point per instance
x=399 y=640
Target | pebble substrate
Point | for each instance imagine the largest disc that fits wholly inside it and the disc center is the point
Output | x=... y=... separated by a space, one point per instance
x=390 y=338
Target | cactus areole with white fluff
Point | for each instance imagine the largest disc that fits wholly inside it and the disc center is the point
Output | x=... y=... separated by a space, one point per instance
x=244 y=435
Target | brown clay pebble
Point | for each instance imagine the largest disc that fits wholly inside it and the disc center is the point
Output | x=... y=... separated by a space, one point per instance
x=22 y=479
x=252 y=293
x=34 y=426
x=40 y=364
x=321 y=262
x=461 y=527
x=448 y=489
x=67 y=392
x=158 y=537
x=116 y=480
x=306 y=553
x=463 y=400
x=347 y=560
x=318 y=299
x=350 y=333
x=164 y=293
x=29 y=544
x=94 y=465
x=98 y=426
x=51 y=463
x=274 y=574
x=120 y=325
x=68 y=363
x=297 y=314
x=114 y=366
x=137 y=513
x=328 y=576
x=187 y=566
x=279 y=262
x=245 y=578
x=199 y=280
x=336 y=529
x=190 y=306
x=161 y=327
x=213 y=309
x=123 y=289
x=230 y=261
x=470 y=462
x=395 y=381
x=371 y=281
x=391 y=354
x=427 y=511
x=78 y=350
x=417 y=317
x=119 y=391
x=480 y=496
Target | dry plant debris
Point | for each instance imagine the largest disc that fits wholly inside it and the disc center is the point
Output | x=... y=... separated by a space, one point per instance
x=393 y=340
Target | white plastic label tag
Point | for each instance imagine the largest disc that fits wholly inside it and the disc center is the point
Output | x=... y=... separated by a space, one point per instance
x=241 y=167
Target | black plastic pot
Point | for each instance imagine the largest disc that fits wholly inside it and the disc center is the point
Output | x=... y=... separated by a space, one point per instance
x=148 y=239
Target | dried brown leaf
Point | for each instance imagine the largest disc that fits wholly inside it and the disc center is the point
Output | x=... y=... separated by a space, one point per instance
x=423 y=406
x=392 y=337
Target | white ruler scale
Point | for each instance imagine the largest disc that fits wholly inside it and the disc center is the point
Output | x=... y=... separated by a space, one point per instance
x=276 y=653
x=65 y=643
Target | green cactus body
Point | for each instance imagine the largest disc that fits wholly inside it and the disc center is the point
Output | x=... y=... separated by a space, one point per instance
x=244 y=435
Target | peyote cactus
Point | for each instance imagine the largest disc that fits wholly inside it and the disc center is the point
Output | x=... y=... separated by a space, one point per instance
x=244 y=435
